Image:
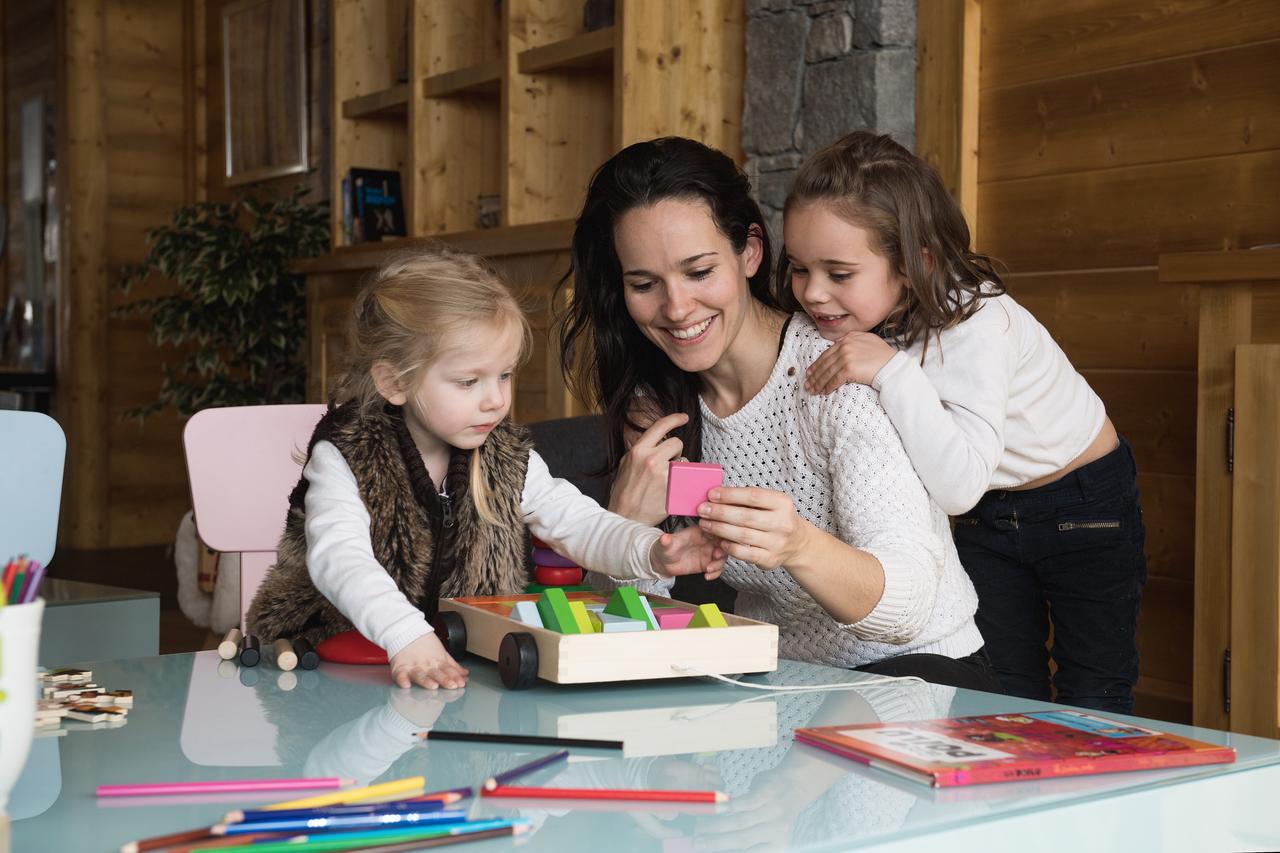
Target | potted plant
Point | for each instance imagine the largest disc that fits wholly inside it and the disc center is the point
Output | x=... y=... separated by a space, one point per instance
x=238 y=311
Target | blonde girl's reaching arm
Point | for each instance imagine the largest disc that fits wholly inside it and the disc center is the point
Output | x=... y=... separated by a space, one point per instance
x=952 y=420
x=344 y=569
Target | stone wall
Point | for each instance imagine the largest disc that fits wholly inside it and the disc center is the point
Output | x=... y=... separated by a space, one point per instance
x=815 y=71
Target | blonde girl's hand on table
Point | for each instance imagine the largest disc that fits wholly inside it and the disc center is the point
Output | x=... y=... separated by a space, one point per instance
x=425 y=662
x=639 y=490
x=689 y=551
x=758 y=526
x=857 y=357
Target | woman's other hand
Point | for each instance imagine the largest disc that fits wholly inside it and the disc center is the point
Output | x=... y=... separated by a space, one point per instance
x=758 y=526
x=640 y=489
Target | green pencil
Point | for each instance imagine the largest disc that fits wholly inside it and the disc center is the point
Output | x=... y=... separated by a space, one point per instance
x=377 y=838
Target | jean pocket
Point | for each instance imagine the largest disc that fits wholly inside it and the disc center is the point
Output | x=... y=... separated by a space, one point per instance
x=1090 y=524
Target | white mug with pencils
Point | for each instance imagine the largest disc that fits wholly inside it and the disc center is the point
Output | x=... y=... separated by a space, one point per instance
x=19 y=643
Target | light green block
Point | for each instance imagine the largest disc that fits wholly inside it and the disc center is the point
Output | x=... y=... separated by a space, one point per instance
x=553 y=607
x=626 y=602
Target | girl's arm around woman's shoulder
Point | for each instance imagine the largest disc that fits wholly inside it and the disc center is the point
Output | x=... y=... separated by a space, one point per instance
x=340 y=556
x=951 y=412
x=880 y=507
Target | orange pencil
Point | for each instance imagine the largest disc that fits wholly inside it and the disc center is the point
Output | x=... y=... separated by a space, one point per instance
x=609 y=794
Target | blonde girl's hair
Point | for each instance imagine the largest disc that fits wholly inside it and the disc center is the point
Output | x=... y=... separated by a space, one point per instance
x=415 y=307
x=870 y=181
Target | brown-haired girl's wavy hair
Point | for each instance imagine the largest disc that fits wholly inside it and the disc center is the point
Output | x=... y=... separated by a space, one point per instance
x=411 y=310
x=870 y=181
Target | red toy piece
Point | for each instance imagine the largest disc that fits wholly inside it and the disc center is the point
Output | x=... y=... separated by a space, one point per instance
x=350 y=647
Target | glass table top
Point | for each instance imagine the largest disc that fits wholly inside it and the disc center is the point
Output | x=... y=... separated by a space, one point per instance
x=196 y=717
x=57 y=592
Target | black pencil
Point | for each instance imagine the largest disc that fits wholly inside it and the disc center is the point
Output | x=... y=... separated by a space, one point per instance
x=532 y=740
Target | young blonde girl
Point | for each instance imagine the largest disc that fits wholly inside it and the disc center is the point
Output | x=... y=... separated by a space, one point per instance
x=1002 y=430
x=417 y=486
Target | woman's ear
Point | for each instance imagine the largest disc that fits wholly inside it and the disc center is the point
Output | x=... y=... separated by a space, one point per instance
x=388 y=384
x=754 y=251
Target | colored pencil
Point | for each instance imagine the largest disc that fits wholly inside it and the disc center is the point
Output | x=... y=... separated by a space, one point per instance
x=524 y=769
x=353 y=795
x=220 y=786
x=218 y=842
x=609 y=794
x=372 y=820
x=171 y=840
x=32 y=587
x=337 y=811
x=532 y=740
x=378 y=839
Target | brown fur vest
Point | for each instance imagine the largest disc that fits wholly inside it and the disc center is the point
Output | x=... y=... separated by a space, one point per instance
x=490 y=559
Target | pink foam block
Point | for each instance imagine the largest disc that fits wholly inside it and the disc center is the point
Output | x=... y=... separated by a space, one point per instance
x=669 y=619
x=688 y=484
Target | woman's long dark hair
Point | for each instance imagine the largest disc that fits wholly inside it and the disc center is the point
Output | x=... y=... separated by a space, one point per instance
x=872 y=182
x=604 y=356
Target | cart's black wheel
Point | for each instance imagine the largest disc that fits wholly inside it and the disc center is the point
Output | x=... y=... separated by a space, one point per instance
x=452 y=632
x=518 y=660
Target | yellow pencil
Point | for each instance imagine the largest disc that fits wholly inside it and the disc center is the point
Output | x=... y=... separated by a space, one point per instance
x=403 y=787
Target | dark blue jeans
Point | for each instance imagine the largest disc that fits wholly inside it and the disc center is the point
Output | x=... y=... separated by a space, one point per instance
x=1070 y=552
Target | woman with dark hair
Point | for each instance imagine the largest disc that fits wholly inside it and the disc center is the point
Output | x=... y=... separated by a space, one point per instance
x=673 y=330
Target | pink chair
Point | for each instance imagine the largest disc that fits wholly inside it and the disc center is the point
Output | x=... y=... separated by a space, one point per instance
x=243 y=461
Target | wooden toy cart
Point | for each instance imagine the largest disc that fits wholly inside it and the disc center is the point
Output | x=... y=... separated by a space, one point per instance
x=524 y=653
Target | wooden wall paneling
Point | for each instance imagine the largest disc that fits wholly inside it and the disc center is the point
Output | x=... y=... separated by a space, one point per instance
x=1120 y=318
x=1164 y=638
x=1168 y=507
x=540 y=391
x=81 y=405
x=680 y=71
x=329 y=298
x=1201 y=105
x=1255 y=544
x=195 y=98
x=1266 y=314
x=1155 y=411
x=1225 y=321
x=1039 y=41
x=1124 y=217
x=948 y=41
x=365 y=37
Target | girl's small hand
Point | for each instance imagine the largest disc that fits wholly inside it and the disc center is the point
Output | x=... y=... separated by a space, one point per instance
x=758 y=526
x=687 y=552
x=425 y=662
x=857 y=357
x=640 y=489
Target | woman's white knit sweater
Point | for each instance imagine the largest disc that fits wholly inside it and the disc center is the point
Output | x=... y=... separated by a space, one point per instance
x=843 y=464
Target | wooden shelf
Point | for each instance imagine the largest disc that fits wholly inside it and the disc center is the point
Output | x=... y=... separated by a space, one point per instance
x=388 y=103
x=484 y=78
x=590 y=50
x=491 y=242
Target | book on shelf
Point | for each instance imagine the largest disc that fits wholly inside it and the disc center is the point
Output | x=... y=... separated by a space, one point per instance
x=373 y=204
x=1011 y=747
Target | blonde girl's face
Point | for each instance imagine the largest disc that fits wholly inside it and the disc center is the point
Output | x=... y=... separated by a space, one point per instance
x=684 y=285
x=841 y=282
x=466 y=391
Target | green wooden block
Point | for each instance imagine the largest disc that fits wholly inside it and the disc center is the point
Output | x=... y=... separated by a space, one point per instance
x=708 y=616
x=553 y=607
x=626 y=602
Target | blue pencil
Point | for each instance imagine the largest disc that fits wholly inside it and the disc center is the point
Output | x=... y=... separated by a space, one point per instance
x=398 y=819
x=335 y=811
x=524 y=769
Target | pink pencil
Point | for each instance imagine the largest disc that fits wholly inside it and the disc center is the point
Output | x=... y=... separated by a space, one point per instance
x=221 y=785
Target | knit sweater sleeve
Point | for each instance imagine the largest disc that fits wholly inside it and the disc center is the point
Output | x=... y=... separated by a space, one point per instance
x=340 y=556
x=951 y=413
x=577 y=527
x=880 y=507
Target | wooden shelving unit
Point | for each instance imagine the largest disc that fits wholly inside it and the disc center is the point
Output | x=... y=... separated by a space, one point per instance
x=514 y=100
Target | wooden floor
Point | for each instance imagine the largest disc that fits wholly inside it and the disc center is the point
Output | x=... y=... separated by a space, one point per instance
x=149 y=568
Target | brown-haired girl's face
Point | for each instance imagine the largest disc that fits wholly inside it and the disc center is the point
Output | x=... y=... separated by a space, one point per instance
x=836 y=274
x=684 y=285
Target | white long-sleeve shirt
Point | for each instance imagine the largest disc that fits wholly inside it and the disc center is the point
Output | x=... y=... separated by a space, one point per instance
x=841 y=461
x=996 y=404
x=342 y=565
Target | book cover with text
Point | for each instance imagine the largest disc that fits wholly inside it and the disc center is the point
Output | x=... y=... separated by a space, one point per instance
x=1010 y=747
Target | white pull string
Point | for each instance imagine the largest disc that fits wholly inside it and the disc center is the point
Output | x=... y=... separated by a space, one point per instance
x=690 y=669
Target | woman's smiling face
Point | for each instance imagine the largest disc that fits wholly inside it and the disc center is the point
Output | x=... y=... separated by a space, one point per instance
x=684 y=285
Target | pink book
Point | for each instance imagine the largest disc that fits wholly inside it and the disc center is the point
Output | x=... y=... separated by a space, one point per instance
x=1009 y=747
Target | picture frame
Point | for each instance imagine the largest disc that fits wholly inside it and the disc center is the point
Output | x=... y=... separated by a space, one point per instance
x=264 y=80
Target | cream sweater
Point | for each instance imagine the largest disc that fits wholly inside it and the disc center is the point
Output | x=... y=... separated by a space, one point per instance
x=996 y=404
x=841 y=461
